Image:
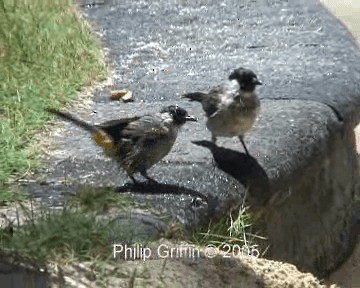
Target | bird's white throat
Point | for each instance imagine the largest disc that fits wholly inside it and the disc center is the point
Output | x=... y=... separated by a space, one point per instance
x=247 y=94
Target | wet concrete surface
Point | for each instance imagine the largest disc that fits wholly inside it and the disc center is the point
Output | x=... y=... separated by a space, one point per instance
x=161 y=49
x=164 y=48
x=216 y=175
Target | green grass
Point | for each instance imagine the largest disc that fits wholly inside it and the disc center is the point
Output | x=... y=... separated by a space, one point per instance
x=82 y=232
x=64 y=235
x=46 y=55
x=90 y=198
x=233 y=234
x=78 y=231
x=11 y=195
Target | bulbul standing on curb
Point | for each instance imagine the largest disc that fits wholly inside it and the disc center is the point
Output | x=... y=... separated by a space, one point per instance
x=231 y=112
x=136 y=143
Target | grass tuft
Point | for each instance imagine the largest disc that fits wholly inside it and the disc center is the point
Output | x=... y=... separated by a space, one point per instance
x=81 y=230
x=60 y=235
x=232 y=234
x=101 y=199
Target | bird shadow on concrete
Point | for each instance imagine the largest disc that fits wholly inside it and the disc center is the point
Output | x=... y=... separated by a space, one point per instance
x=244 y=168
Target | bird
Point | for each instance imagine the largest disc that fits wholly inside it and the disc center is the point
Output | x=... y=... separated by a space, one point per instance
x=231 y=109
x=135 y=143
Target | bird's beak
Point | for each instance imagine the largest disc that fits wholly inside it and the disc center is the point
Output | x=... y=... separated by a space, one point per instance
x=190 y=118
x=257 y=82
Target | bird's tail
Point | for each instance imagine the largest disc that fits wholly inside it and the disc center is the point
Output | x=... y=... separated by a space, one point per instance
x=68 y=117
x=100 y=137
x=196 y=96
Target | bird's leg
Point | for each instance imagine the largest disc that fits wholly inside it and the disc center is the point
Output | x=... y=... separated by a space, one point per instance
x=145 y=175
x=243 y=143
x=133 y=179
x=213 y=138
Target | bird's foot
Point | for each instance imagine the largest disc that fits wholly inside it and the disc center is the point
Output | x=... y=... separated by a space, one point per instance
x=246 y=150
x=149 y=179
x=243 y=144
x=135 y=182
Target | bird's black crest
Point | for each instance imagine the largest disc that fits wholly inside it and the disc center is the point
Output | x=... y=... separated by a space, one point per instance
x=179 y=114
x=175 y=110
x=246 y=78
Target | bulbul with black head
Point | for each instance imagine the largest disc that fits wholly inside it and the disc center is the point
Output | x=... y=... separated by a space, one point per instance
x=231 y=110
x=136 y=143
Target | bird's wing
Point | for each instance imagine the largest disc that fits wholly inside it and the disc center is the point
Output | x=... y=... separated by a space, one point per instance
x=218 y=97
x=145 y=133
x=130 y=136
x=114 y=128
x=148 y=128
x=213 y=100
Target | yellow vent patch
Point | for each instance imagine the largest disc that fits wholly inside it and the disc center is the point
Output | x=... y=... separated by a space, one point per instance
x=102 y=139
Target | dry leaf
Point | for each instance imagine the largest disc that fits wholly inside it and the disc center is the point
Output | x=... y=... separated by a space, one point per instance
x=124 y=95
x=117 y=94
